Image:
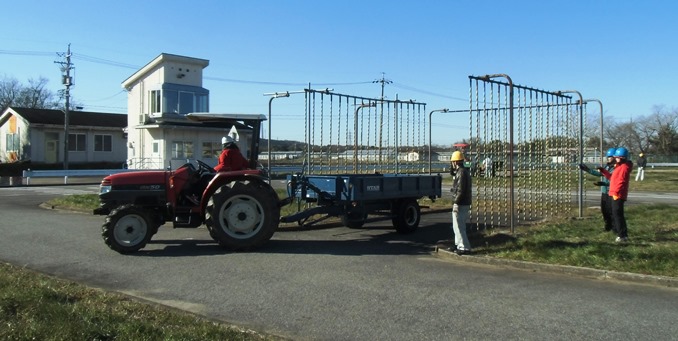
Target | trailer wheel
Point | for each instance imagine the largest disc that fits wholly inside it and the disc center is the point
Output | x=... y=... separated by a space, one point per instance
x=242 y=215
x=406 y=216
x=127 y=229
x=354 y=220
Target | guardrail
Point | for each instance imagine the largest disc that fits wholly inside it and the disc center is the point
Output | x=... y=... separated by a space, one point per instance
x=28 y=174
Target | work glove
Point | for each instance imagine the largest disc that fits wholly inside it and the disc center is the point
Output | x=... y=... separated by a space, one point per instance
x=584 y=167
x=600 y=183
x=614 y=197
x=455 y=208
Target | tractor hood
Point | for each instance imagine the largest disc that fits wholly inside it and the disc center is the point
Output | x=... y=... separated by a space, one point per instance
x=156 y=177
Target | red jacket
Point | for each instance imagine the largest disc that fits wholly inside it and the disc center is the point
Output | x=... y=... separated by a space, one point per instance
x=231 y=160
x=619 y=179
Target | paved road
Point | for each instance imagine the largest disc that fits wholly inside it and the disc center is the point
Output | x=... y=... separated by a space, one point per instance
x=334 y=283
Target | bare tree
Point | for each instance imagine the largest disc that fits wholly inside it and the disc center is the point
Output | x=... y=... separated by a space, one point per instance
x=591 y=130
x=35 y=95
x=9 y=91
x=656 y=134
x=621 y=134
x=664 y=124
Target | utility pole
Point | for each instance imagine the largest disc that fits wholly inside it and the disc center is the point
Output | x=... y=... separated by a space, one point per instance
x=383 y=82
x=66 y=80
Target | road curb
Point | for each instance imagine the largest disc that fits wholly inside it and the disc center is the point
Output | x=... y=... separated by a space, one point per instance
x=665 y=281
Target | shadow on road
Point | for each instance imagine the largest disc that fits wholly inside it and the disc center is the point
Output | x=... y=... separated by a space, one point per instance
x=373 y=240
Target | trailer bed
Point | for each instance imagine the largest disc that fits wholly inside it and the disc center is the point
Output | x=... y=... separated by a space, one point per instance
x=366 y=187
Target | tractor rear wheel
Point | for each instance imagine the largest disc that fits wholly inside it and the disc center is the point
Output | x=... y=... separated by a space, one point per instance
x=127 y=229
x=406 y=215
x=242 y=215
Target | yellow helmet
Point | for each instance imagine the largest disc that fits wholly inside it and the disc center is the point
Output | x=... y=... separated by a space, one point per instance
x=457 y=156
x=641 y=154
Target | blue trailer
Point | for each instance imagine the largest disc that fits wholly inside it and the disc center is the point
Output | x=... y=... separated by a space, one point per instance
x=352 y=197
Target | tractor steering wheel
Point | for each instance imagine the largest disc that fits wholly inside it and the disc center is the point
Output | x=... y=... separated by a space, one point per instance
x=205 y=168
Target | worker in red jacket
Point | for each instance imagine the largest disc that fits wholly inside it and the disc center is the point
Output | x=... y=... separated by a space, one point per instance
x=231 y=158
x=619 y=190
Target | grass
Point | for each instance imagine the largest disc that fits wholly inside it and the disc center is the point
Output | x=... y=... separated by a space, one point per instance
x=34 y=306
x=661 y=180
x=652 y=248
x=76 y=202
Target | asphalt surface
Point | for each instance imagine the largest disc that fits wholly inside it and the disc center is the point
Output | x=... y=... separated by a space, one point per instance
x=335 y=283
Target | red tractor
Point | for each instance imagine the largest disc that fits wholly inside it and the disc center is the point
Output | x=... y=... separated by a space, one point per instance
x=240 y=208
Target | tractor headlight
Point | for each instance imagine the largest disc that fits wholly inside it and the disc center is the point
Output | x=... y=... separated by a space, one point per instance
x=104 y=189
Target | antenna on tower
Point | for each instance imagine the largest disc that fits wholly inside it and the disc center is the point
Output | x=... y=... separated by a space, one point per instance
x=67 y=81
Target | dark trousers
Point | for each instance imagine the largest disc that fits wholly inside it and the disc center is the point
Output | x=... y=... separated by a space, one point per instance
x=606 y=210
x=618 y=217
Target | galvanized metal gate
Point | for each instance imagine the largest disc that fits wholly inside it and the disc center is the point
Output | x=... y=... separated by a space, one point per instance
x=526 y=144
x=359 y=135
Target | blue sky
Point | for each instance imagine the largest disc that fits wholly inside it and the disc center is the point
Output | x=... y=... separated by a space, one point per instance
x=624 y=53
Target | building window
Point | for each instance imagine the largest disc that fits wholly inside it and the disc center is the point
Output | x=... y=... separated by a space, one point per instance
x=77 y=142
x=155 y=101
x=12 y=143
x=184 y=102
x=103 y=143
x=156 y=148
x=211 y=150
x=182 y=150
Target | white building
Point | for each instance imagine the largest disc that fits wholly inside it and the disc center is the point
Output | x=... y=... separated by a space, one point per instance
x=159 y=96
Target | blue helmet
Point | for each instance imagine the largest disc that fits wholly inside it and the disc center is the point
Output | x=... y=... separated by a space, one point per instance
x=610 y=152
x=621 y=152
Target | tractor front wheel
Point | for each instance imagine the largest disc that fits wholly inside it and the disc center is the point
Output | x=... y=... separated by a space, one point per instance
x=127 y=229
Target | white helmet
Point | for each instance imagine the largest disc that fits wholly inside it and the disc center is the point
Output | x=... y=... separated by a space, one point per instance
x=226 y=139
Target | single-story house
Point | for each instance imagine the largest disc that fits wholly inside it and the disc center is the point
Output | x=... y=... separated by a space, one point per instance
x=38 y=135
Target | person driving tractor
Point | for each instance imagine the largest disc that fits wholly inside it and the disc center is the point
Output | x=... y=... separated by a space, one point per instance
x=231 y=159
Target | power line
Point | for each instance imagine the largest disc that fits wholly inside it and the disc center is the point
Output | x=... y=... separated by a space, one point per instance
x=401 y=86
x=104 y=61
x=121 y=109
x=27 y=53
x=220 y=79
x=107 y=98
x=98 y=60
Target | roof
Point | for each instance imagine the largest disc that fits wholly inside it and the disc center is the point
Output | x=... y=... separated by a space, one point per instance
x=163 y=58
x=79 y=118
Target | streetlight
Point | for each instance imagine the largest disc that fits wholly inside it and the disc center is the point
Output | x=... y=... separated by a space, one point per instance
x=355 y=133
x=602 y=160
x=274 y=96
x=429 y=135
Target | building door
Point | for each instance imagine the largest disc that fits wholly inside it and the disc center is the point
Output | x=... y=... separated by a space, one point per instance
x=51 y=151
